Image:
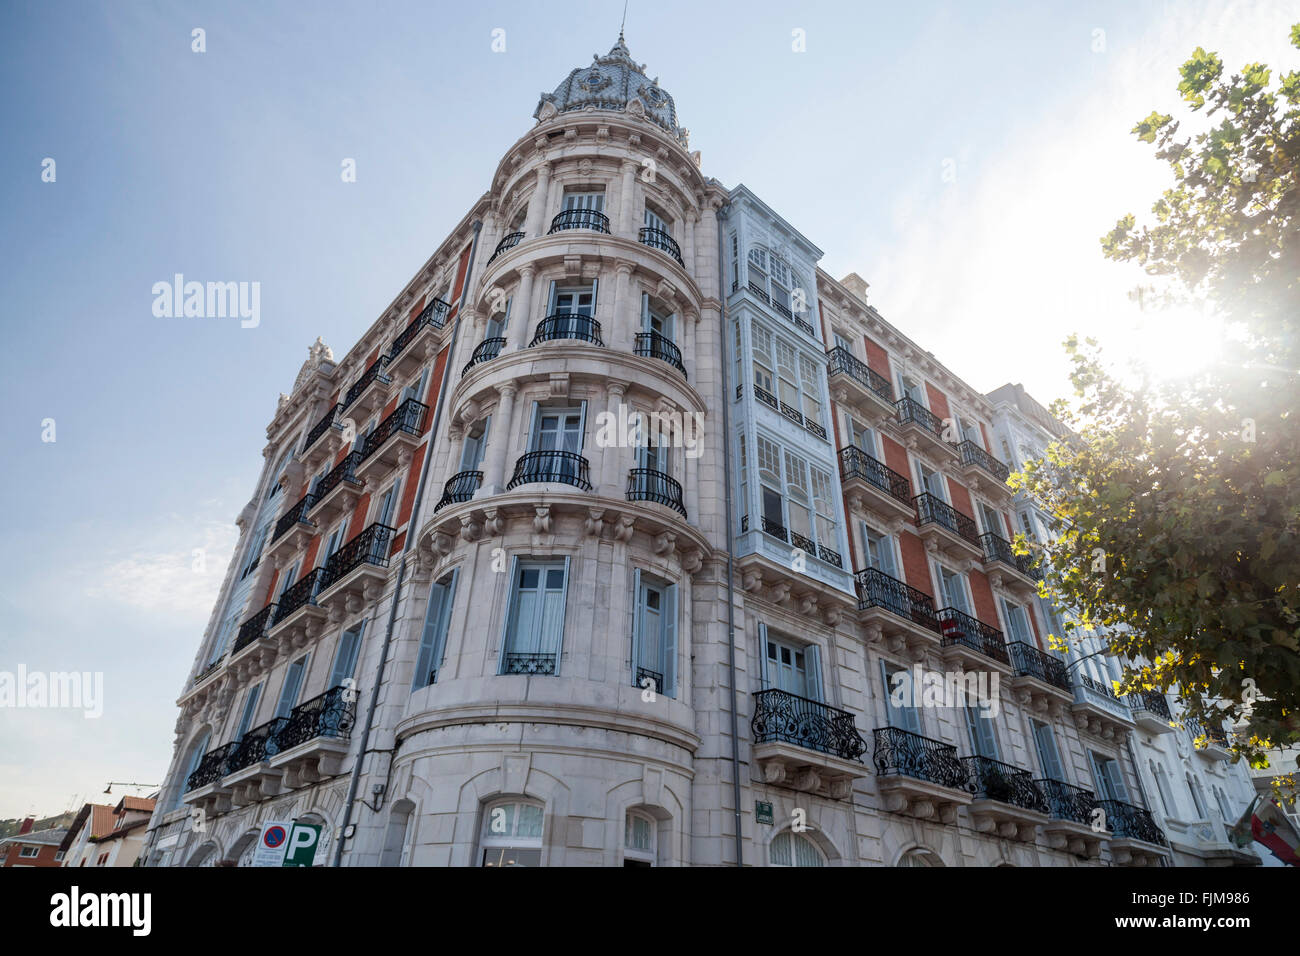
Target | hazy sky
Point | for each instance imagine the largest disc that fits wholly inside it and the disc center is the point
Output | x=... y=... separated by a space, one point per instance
x=225 y=166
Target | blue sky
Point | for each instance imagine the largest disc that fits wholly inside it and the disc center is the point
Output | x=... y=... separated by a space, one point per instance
x=225 y=166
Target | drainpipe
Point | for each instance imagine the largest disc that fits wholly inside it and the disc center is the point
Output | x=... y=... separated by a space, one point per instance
x=731 y=546
x=355 y=782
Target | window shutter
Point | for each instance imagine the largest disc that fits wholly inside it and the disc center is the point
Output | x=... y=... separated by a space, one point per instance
x=550 y=301
x=670 y=640
x=636 y=624
x=594 y=284
x=511 y=626
x=645 y=311
x=812 y=655
x=345 y=659
x=764 y=677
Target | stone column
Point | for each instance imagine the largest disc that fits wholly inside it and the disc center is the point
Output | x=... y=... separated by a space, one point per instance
x=626 y=223
x=614 y=459
x=521 y=311
x=706 y=251
x=494 y=465
x=688 y=241
x=533 y=225
x=625 y=322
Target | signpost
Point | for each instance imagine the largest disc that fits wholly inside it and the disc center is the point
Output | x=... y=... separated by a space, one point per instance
x=304 y=838
x=271 y=843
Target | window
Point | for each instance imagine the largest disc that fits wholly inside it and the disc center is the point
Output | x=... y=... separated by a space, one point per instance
x=654 y=634
x=28 y=852
x=844 y=342
x=1109 y=778
x=573 y=300
x=333 y=542
x=345 y=656
x=639 y=840
x=497 y=325
x=733 y=243
x=983 y=738
x=433 y=641
x=386 y=511
x=535 y=622
x=1162 y=787
x=794 y=849
x=920 y=858
x=797 y=499
x=293 y=678
x=250 y=709
x=879 y=548
x=970 y=432
x=1198 y=797
x=557 y=429
x=912 y=389
x=416 y=389
x=197 y=751
x=655 y=221
x=862 y=437
x=931 y=481
x=1048 y=756
x=798 y=377
x=901 y=708
x=1017 y=623
x=989 y=518
x=475 y=445
x=290 y=578
x=656 y=318
x=952 y=589
x=512 y=834
x=223 y=637
x=58 y=856
x=1027 y=525
x=254 y=554
x=592 y=199
x=789 y=665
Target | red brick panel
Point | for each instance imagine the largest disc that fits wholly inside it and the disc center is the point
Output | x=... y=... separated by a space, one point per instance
x=960 y=498
x=982 y=593
x=355 y=526
x=270 y=590
x=408 y=492
x=916 y=567
x=877 y=360
x=987 y=446
x=896 y=458
x=938 y=401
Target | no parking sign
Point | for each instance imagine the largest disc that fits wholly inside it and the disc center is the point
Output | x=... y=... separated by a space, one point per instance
x=271 y=843
x=287 y=843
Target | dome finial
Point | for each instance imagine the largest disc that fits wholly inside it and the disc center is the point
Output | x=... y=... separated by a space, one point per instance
x=623 y=23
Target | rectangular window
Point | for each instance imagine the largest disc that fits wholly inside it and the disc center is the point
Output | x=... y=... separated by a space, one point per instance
x=879 y=548
x=293 y=678
x=953 y=590
x=345 y=656
x=1048 y=756
x=844 y=343
x=983 y=739
x=589 y=199
x=386 y=513
x=535 y=623
x=654 y=634
x=1017 y=623
x=28 y=852
x=789 y=665
x=654 y=221
x=250 y=710
x=901 y=698
x=992 y=523
x=433 y=640
x=475 y=446
x=931 y=481
x=1109 y=779
x=255 y=551
x=223 y=637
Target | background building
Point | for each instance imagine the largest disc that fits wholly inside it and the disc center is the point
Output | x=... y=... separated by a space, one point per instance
x=33 y=847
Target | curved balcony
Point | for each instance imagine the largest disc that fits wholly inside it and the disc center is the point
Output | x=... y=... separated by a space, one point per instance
x=459 y=487
x=580 y=219
x=564 y=467
x=971 y=640
x=396 y=436
x=658 y=239
x=654 y=345
x=485 y=351
x=646 y=484
x=919 y=776
x=790 y=731
x=564 y=325
x=509 y=242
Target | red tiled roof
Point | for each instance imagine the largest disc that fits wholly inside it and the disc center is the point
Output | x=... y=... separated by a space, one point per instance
x=136 y=803
x=102 y=819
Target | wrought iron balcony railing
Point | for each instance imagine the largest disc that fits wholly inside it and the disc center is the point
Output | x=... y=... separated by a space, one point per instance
x=1097 y=687
x=565 y=467
x=509 y=242
x=758 y=290
x=658 y=239
x=485 y=351
x=255 y=746
x=973 y=454
x=459 y=487
x=1151 y=700
x=994 y=780
x=901 y=752
x=210 y=769
x=433 y=315
x=580 y=219
x=877 y=589
x=345 y=470
x=299 y=595
x=1066 y=801
x=1133 y=823
x=254 y=628
x=331 y=714
x=998 y=548
x=208 y=671
x=910 y=411
x=294 y=515
x=1029 y=661
x=405 y=418
x=564 y=325
x=517 y=663
x=646 y=484
x=643 y=674
x=856 y=463
x=322 y=426
x=654 y=345
x=958 y=627
x=369 y=547
x=840 y=361
x=931 y=509
x=788 y=718
x=375 y=371
x=775 y=529
x=830 y=556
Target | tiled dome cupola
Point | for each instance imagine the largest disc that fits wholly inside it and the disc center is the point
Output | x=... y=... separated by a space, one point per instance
x=614 y=82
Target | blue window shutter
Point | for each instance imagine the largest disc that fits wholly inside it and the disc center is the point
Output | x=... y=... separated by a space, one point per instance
x=670 y=640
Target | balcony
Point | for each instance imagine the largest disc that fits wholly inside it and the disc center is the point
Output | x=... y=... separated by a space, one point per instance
x=1071 y=811
x=297 y=613
x=870 y=484
x=918 y=776
x=368 y=393
x=973 y=459
x=211 y=768
x=295 y=520
x=393 y=441
x=970 y=642
x=563 y=325
x=528 y=663
x=1151 y=712
x=485 y=351
x=1098 y=711
x=922 y=427
x=1006 y=800
x=808 y=424
x=656 y=346
x=313 y=452
x=355 y=573
x=945 y=528
x=805 y=744
x=998 y=549
x=658 y=239
x=254 y=629
x=311 y=743
x=563 y=467
x=646 y=484
x=1135 y=838
x=580 y=219
x=1215 y=747
x=903 y=616
x=247 y=775
x=509 y=242
x=853 y=383
x=459 y=487
x=1041 y=675
x=417 y=343
x=337 y=492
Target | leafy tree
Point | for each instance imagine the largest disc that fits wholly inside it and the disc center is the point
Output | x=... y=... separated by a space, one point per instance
x=1179 y=500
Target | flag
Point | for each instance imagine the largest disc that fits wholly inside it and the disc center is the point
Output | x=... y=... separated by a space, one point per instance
x=1270 y=827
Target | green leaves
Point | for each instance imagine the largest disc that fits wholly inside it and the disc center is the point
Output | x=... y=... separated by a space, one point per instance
x=1147 y=129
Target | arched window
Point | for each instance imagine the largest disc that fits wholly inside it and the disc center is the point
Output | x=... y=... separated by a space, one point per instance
x=795 y=849
x=190 y=764
x=639 y=839
x=512 y=834
x=397 y=840
x=1162 y=787
x=1193 y=787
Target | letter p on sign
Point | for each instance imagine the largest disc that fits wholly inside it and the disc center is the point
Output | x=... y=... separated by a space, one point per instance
x=303 y=840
